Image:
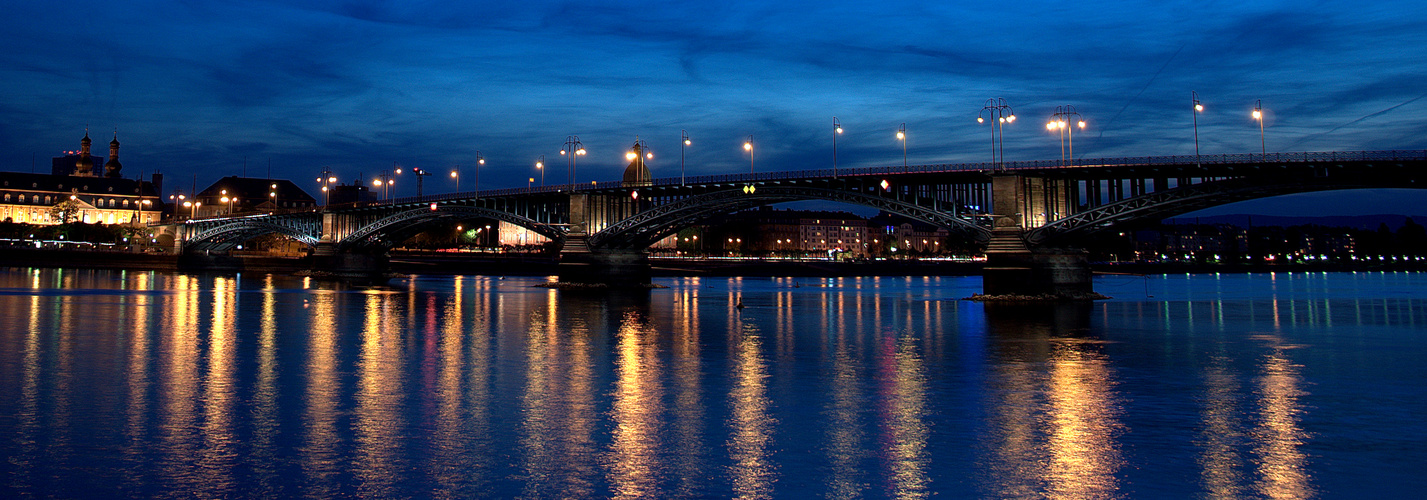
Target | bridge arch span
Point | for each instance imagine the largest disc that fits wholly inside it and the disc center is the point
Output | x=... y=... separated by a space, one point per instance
x=1168 y=203
x=227 y=236
x=393 y=229
x=649 y=226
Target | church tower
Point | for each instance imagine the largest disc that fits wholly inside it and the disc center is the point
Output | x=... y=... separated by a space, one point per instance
x=112 y=168
x=84 y=167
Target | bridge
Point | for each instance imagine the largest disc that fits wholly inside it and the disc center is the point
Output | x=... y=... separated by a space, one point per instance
x=1029 y=214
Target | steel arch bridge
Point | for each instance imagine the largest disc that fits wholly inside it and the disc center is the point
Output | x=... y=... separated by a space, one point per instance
x=223 y=234
x=393 y=229
x=1050 y=202
x=648 y=226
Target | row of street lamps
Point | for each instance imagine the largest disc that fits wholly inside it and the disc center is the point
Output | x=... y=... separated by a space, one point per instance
x=1064 y=121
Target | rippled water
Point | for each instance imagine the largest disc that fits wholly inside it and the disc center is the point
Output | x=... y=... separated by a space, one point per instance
x=117 y=384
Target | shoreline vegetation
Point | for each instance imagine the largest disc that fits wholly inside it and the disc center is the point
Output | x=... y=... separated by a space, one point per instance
x=544 y=265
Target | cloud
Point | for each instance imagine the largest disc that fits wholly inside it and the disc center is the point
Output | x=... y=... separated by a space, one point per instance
x=356 y=85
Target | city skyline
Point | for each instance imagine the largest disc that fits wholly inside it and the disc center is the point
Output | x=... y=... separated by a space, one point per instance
x=202 y=88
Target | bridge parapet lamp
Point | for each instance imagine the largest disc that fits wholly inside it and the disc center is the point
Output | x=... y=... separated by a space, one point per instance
x=1000 y=114
x=748 y=146
x=684 y=144
x=1064 y=121
x=1258 y=116
x=573 y=149
x=1198 y=108
x=902 y=136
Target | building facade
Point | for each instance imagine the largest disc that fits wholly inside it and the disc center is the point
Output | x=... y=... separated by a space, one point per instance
x=75 y=190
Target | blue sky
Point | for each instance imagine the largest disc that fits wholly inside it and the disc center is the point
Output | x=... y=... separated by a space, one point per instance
x=196 y=87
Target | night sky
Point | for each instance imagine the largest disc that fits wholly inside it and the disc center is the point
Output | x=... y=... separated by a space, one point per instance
x=197 y=87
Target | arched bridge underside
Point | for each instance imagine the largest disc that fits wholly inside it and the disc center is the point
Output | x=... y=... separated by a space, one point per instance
x=649 y=226
x=393 y=229
x=1168 y=203
x=226 y=236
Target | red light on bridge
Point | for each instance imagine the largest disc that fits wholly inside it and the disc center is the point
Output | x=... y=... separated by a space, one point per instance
x=433 y=207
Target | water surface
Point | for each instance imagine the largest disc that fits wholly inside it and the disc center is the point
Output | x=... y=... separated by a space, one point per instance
x=141 y=384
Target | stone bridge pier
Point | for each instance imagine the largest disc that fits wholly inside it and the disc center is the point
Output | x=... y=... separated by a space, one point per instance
x=1012 y=267
x=580 y=264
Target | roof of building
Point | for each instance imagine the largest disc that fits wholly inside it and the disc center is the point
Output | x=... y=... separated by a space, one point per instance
x=254 y=188
x=22 y=181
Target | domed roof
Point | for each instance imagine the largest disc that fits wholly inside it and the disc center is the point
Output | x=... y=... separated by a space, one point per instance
x=637 y=173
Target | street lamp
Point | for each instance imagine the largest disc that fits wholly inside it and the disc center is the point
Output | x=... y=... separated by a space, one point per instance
x=1000 y=114
x=455 y=174
x=748 y=146
x=1258 y=115
x=1064 y=121
x=273 y=194
x=685 y=143
x=385 y=181
x=573 y=148
x=327 y=181
x=540 y=165
x=836 y=131
x=193 y=208
x=1198 y=108
x=480 y=160
x=902 y=136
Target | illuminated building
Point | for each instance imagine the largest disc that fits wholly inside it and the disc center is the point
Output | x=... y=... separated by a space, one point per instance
x=74 y=186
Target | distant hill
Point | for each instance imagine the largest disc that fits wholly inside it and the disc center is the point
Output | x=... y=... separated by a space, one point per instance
x=1370 y=222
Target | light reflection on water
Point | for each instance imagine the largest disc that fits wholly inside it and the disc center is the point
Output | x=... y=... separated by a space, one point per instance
x=150 y=384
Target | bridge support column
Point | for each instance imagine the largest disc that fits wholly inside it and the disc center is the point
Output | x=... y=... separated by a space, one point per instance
x=1014 y=270
x=611 y=268
x=1063 y=274
x=349 y=265
x=582 y=265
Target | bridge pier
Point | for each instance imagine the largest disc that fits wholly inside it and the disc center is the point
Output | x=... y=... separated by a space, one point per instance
x=349 y=264
x=1013 y=268
x=581 y=265
x=1042 y=273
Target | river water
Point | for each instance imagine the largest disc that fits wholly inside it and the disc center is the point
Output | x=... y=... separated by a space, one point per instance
x=143 y=384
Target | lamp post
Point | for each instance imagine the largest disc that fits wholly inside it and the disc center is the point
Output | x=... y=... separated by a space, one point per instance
x=480 y=160
x=1198 y=108
x=1258 y=115
x=748 y=146
x=177 y=198
x=1000 y=114
x=139 y=207
x=573 y=148
x=272 y=193
x=685 y=142
x=902 y=136
x=456 y=174
x=1064 y=121
x=327 y=181
x=836 y=131
x=540 y=165
x=192 y=206
x=639 y=147
x=385 y=181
